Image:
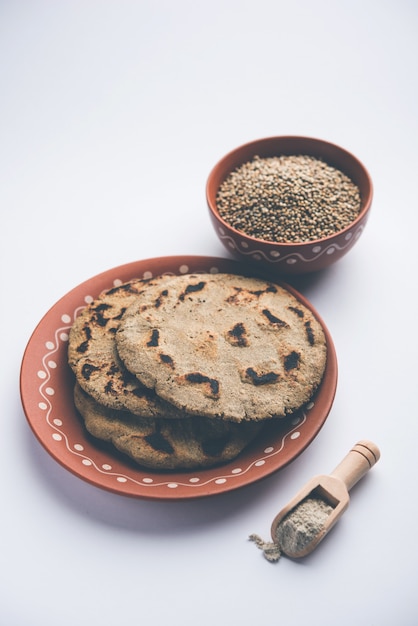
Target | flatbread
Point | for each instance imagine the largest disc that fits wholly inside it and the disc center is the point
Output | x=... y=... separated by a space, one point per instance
x=93 y=357
x=161 y=444
x=224 y=346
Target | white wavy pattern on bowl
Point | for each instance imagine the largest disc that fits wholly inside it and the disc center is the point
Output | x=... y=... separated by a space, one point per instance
x=77 y=449
x=292 y=258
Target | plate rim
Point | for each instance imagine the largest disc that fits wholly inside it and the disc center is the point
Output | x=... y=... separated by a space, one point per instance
x=213 y=486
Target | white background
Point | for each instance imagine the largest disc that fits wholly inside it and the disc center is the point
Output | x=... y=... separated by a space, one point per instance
x=111 y=116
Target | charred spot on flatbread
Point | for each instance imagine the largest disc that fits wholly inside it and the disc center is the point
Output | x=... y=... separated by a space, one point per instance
x=261 y=377
x=210 y=385
x=88 y=369
x=167 y=359
x=237 y=335
x=292 y=360
x=192 y=288
x=154 y=339
x=160 y=299
x=310 y=333
x=273 y=319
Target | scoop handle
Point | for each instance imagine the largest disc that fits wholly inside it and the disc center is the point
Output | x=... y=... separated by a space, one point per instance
x=357 y=462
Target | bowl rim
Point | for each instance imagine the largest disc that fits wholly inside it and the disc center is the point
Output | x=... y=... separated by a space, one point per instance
x=219 y=166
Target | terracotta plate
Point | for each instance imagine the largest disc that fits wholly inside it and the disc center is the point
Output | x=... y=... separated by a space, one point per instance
x=46 y=385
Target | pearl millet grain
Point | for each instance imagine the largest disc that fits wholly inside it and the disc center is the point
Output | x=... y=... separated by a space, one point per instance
x=288 y=199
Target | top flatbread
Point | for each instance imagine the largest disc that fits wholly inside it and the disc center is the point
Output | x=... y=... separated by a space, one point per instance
x=93 y=357
x=224 y=346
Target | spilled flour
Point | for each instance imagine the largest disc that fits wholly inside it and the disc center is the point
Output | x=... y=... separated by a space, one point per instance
x=271 y=550
x=296 y=530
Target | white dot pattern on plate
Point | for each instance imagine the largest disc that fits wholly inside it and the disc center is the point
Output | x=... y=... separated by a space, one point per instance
x=45 y=373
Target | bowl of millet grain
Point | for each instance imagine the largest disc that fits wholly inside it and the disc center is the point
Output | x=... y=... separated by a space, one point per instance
x=292 y=204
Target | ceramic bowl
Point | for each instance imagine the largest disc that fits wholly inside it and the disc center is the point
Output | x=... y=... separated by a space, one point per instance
x=290 y=258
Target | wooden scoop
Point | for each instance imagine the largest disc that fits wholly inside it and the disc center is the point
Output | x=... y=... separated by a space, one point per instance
x=332 y=489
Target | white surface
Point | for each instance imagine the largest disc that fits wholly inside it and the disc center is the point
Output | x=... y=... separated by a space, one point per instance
x=112 y=115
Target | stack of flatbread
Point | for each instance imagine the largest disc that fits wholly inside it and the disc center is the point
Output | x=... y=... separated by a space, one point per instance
x=182 y=372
